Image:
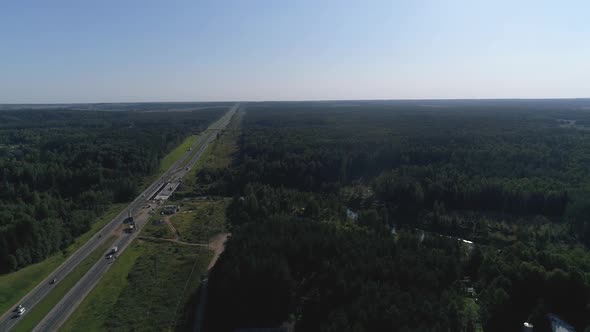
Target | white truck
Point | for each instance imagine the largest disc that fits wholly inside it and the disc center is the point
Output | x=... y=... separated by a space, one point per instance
x=112 y=253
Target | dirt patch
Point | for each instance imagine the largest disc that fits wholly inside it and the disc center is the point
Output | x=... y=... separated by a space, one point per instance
x=217 y=244
x=118 y=231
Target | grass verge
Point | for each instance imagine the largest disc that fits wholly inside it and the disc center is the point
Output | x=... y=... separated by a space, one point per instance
x=57 y=293
x=152 y=281
x=14 y=286
x=96 y=308
x=188 y=142
x=218 y=155
x=175 y=154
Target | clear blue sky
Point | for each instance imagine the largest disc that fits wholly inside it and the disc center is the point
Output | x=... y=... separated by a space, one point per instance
x=142 y=50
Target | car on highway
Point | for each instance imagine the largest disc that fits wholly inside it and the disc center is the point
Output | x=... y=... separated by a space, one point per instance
x=20 y=310
x=109 y=256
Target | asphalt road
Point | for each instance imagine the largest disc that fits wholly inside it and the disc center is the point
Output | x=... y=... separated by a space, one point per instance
x=58 y=315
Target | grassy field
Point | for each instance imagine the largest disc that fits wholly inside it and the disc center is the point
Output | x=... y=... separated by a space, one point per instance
x=96 y=308
x=157 y=229
x=15 y=285
x=146 y=290
x=42 y=308
x=198 y=221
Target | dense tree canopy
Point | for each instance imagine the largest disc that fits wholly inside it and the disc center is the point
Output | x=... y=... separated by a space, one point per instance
x=61 y=168
x=321 y=273
x=345 y=217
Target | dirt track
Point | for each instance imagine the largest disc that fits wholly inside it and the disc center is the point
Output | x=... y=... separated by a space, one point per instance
x=172 y=228
x=217 y=244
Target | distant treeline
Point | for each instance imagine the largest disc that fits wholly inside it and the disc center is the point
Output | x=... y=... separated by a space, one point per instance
x=486 y=159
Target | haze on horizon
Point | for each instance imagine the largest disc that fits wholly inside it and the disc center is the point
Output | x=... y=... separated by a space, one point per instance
x=142 y=50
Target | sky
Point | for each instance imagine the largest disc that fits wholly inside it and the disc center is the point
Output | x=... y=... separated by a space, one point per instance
x=64 y=51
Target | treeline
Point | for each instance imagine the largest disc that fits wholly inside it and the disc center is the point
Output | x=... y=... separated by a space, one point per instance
x=332 y=277
x=263 y=201
x=358 y=175
x=60 y=169
x=516 y=162
x=421 y=188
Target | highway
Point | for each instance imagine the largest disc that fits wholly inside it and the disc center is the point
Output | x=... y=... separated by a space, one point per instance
x=139 y=210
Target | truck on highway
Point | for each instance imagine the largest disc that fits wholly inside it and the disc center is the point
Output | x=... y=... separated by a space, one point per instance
x=114 y=250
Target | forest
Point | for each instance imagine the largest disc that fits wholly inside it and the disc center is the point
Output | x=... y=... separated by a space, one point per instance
x=61 y=168
x=405 y=216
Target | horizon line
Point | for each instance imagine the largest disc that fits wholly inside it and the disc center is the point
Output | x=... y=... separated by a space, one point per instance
x=299 y=100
